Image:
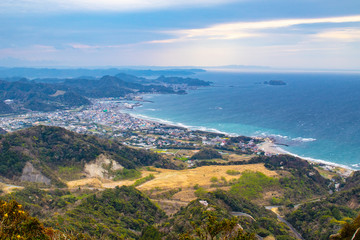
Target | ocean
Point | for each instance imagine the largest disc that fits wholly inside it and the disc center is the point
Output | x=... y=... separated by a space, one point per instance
x=316 y=114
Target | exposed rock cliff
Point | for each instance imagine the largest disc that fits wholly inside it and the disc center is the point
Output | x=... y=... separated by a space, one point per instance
x=31 y=174
x=101 y=167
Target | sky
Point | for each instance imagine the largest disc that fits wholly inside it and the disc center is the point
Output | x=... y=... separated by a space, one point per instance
x=296 y=34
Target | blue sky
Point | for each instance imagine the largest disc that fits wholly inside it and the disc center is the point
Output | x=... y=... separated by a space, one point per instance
x=312 y=34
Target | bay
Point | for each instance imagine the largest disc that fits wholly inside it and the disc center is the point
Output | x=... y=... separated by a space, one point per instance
x=316 y=114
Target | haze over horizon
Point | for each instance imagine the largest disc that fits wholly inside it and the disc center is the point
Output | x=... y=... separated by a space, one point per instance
x=276 y=33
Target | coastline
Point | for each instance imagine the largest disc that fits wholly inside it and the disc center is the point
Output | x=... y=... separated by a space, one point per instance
x=180 y=125
x=268 y=146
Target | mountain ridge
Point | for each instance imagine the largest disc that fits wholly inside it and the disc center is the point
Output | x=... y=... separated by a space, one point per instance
x=52 y=147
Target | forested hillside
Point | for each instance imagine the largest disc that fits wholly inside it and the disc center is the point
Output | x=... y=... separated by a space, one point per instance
x=48 y=148
x=51 y=94
x=27 y=95
x=320 y=219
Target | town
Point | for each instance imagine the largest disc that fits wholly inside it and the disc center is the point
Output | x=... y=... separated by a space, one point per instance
x=109 y=118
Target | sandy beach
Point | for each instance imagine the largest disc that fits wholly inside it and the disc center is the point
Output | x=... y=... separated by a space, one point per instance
x=268 y=146
x=271 y=148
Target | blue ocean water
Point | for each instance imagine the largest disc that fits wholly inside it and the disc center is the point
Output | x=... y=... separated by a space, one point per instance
x=316 y=114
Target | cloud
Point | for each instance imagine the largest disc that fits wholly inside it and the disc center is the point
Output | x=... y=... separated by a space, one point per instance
x=81 y=46
x=238 y=30
x=44 y=48
x=346 y=35
x=241 y=30
x=100 y=5
x=173 y=40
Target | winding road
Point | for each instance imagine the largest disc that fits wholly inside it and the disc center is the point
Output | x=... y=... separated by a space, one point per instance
x=296 y=233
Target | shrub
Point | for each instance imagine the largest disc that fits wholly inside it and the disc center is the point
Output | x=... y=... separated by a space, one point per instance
x=143 y=180
x=200 y=192
x=232 y=172
x=214 y=179
x=126 y=174
x=206 y=153
x=251 y=184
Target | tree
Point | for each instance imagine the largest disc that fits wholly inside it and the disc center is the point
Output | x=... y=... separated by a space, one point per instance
x=212 y=228
x=350 y=231
x=15 y=223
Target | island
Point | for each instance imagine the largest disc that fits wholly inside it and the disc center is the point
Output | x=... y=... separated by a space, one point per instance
x=275 y=82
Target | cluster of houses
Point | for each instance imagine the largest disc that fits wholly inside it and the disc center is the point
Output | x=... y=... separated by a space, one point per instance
x=106 y=117
x=244 y=146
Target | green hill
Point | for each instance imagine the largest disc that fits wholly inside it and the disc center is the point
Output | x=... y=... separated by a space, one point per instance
x=28 y=95
x=120 y=213
x=206 y=153
x=109 y=86
x=303 y=183
x=48 y=148
x=318 y=220
x=222 y=204
x=352 y=181
x=51 y=94
x=4 y=108
x=125 y=212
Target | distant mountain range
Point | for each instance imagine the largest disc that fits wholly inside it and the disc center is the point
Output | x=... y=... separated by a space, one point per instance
x=50 y=94
x=78 y=72
x=109 y=86
x=27 y=95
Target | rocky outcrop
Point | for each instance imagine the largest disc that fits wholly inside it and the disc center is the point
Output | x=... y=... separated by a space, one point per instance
x=31 y=174
x=102 y=167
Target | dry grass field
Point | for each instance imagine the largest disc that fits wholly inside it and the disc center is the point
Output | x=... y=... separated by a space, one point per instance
x=236 y=157
x=89 y=182
x=168 y=179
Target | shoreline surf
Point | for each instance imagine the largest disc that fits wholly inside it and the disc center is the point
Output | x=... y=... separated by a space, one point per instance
x=272 y=148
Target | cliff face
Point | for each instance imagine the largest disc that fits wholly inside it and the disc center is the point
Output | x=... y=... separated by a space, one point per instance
x=101 y=167
x=31 y=174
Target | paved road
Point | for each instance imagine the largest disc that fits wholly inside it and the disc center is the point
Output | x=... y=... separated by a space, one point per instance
x=297 y=234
